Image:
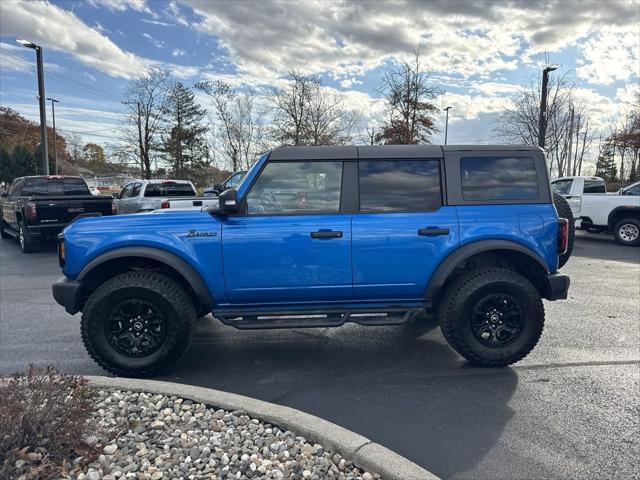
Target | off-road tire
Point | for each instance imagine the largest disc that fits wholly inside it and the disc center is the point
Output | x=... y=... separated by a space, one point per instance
x=466 y=291
x=156 y=289
x=27 y=245
x=631 y=225
x=564 y=211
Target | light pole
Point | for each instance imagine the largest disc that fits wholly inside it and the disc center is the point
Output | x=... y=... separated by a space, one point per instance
x=53 y=113
x=41 y=100
x=446 y=125
x=542 y=119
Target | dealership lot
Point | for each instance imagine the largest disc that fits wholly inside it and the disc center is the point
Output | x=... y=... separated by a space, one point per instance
x=569 y=410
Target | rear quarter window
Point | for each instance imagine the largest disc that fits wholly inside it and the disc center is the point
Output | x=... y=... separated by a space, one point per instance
x=499 y=178
x=594 y=186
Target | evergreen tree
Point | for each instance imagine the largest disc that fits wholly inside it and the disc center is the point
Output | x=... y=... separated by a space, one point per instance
x=185 y=145
x=606 y=166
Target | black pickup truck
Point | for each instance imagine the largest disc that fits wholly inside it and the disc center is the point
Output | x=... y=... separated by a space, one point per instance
x=37 y=208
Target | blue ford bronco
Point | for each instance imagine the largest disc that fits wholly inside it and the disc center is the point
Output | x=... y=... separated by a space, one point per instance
x=320 y=236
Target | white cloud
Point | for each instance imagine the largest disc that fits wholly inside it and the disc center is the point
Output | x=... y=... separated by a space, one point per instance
x=178 y=52
x=154 y=41
x=610 y=57
x=122 y=5
x=53 y=27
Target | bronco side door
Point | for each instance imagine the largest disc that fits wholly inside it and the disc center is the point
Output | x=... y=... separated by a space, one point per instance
x=403 y=229
x=292 y=243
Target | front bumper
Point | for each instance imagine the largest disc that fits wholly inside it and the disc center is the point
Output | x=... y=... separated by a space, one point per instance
x=557 y=286
x=67 y=293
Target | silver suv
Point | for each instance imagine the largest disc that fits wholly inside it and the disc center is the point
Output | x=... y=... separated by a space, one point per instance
x=148 y=195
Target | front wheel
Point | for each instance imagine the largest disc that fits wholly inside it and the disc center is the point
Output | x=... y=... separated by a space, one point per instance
x=138 y=323
x=492 y=317
x=627 y=232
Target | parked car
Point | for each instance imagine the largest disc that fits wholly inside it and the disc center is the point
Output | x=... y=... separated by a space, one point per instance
x=37 y=208
x=318 y=236
x=147 y=195
x=232 y=182
x=596 y=211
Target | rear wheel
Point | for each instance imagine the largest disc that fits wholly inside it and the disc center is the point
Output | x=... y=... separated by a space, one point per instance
x=564 y=211
x=627 y=232
x=138 y=323
x=492 y=317
x=27 y=244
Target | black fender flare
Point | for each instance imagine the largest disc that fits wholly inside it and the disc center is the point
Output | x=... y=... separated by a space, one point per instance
x=632 y=209
x=448 y=265
x=192 y=277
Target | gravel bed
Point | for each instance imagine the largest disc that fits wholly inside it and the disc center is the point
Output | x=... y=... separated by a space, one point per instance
x=160 y=437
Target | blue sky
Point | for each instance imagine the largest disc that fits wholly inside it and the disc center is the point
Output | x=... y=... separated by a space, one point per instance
x=480 y=53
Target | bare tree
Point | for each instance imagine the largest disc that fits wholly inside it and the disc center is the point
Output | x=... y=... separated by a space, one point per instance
x=146 y=99
x=238 y=123
x=568 y=136
x=409 y=102
x=305 y=112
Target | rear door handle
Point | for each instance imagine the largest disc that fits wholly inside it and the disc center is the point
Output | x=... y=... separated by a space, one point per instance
x=433 y=231
x=326 y=234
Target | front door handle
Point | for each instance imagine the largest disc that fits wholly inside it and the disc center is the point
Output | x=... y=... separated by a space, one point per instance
x=433 y=231
x=326 y=234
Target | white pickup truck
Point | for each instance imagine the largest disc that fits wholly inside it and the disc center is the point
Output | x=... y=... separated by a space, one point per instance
x=597 y=211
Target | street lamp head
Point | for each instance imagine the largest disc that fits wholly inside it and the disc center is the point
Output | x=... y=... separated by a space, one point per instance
x=448 y=108
x=26 y=43
x=551 y=68
x=53 y=99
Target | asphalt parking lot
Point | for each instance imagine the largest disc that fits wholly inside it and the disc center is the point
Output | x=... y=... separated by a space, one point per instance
x=570 y=410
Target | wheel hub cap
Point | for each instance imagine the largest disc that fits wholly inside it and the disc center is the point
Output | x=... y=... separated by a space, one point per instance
x=628 y=232
x=496 y=320
x=136 y=328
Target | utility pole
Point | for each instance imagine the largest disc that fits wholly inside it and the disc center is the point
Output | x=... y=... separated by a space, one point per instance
x=41 y=101
x=542 y=119
x=571 y=113
x=446 y=125
x=53 y=113
x=140 y=144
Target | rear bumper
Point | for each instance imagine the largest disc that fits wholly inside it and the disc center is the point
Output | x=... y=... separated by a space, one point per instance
x=557 y=286
x=46 y=230
x=67 y=293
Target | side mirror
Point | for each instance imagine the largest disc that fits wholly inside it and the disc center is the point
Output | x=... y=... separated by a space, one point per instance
x=115 y=195
x=228 y=202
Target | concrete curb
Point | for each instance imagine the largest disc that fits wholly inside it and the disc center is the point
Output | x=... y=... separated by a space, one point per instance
x=362 y=451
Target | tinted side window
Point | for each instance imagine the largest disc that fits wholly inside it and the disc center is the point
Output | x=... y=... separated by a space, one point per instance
x=136 y=190
x=126 y=191
x=296 y=187
x=632 y=191
x=594 y=186
x=399 y=185
x=499 y=178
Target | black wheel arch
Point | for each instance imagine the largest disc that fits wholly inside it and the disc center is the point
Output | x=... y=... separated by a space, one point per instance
x=490 y=251
x=114 y=262
x=619 y=213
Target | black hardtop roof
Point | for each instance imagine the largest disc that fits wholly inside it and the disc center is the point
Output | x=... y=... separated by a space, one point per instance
x=52 y=176
x=343 y=152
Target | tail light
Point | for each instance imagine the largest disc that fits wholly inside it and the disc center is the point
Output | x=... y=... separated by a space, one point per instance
x=114 y=207
x=61 y=252
x=563 y=236
x=31 y=211
x=165 y=204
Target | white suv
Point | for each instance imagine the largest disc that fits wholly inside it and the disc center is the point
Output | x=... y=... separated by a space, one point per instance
x=148 y=195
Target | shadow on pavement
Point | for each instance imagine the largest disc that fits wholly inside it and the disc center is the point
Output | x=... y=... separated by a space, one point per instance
x=381 y=382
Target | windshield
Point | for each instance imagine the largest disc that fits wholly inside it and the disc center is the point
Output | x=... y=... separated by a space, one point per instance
x=561 y=186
